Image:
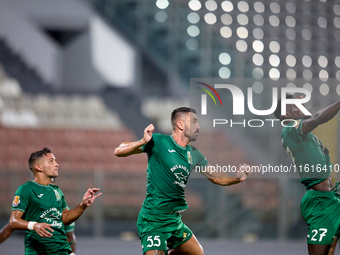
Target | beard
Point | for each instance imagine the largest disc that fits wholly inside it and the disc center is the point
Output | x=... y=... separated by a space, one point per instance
x=191 y=135
x=193 y=138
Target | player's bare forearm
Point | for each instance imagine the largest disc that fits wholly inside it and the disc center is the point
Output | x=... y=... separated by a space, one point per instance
x=219 y=178
x=5 y=232
x=70 y=216
x=223 y=179
x=322 y=116
x=42 y=229
x=228 y=181
x=129 y=148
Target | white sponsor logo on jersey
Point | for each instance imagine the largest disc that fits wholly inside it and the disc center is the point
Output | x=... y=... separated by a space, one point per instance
x=57 y=195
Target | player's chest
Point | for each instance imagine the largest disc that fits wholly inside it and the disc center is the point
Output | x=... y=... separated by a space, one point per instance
x=47 y=198
x=172 y=155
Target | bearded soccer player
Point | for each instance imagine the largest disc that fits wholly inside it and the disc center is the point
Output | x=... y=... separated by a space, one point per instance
x=320 y=206
x=39 y=207
x=170 y=161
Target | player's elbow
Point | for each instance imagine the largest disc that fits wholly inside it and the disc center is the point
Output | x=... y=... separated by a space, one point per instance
x=65 y=219
x=118 y=152
x=67 y=222
x=12 y=223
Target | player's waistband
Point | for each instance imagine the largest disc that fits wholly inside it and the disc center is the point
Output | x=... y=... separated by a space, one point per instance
x=161 y=215
x=320 y=193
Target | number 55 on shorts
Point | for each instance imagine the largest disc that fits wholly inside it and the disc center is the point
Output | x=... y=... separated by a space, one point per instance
x=154 y=241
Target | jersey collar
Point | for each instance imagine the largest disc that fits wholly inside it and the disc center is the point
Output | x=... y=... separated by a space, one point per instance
x=183 y=148
x=40 y=184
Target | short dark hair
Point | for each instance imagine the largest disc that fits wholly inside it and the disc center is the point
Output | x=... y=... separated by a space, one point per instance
x=177 y=112
x=277 y=112
x=36 y=155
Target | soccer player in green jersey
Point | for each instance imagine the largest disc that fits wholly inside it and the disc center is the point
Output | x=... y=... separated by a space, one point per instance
x=320 y=206
x=6 y=231
x=170 y=161
x=40 y=208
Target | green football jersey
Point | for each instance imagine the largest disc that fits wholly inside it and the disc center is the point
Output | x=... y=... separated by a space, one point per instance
x=169 y=166
x=43 y=204
x=310 y=157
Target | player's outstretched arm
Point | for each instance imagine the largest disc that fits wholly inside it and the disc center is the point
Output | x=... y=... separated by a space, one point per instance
x=128 y=148
x=70 y=216
x=5 y=232
x=223 y=179
x=320 y=117
x=16 y=222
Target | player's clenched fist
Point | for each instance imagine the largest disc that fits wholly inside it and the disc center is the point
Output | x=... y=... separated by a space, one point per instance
x=243 y=172
x=148 y=133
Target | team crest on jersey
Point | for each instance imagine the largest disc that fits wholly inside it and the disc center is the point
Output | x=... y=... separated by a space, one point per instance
x=16 y=201
x=57 y=195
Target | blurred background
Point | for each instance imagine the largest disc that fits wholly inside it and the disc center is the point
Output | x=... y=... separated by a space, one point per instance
x=82 y=76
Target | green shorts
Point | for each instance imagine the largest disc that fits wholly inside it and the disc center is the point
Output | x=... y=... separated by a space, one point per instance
x=33 y=247
x=321 y=212
x=156 y=232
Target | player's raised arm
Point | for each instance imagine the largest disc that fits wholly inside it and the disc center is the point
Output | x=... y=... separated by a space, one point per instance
x=320 y=117
x=223 y=179
x=16 y=222
x=129 y=148
x=70 y=216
